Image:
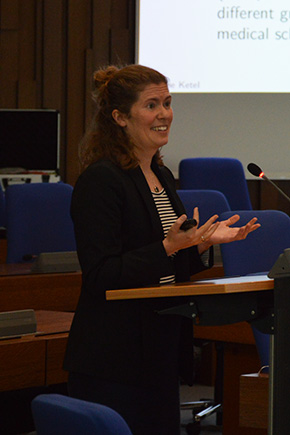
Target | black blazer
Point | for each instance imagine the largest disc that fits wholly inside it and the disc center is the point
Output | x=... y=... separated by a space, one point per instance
x=119 y=243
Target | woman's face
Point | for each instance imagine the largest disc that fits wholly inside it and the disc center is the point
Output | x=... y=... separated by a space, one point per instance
x=150 y=118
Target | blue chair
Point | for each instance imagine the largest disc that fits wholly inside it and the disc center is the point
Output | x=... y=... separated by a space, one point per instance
x=217 y=173
x=257 y=254
x=60 y=415
x=209 y=202
x=38 y=220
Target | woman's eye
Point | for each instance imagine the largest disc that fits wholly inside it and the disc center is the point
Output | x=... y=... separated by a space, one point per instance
x=151 y=105
x=167 y=104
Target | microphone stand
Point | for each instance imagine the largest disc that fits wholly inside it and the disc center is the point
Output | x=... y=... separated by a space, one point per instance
x=276 y=187
x=257 y=172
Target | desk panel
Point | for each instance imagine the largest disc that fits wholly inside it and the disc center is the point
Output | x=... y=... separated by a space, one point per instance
x=22 y=363
x=59 y=292
x=254 y=400
x=55 y=350
x=36 y=360
x=236 y=333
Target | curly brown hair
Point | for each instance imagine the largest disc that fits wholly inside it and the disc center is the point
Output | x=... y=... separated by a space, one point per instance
x=115 y=88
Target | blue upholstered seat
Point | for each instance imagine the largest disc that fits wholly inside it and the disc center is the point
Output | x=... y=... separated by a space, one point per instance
x=209 y=202
x=217 y=173
x=257 y=253
x=38 y=220
x=55 y=414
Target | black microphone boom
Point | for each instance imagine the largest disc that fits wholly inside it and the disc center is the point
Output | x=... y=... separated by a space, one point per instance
x=255 y=170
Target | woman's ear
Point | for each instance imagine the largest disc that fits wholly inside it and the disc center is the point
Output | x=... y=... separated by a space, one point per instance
x=119 y=118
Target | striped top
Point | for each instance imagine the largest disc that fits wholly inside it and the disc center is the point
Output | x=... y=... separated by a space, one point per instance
x=167 y=217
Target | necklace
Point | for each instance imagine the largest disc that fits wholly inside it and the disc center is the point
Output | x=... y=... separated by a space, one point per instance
x=152 y=181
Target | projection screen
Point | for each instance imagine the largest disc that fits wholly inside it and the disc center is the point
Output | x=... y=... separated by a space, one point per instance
x=228 y=69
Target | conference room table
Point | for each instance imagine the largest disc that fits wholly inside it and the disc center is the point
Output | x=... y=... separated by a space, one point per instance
x=35 y=360
x=229 y=300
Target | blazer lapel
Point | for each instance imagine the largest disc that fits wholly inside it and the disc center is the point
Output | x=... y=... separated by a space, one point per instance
x=142 y=186
x=170 y=190
x=146 y=195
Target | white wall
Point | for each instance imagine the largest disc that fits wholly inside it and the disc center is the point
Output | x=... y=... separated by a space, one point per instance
x=250 y=127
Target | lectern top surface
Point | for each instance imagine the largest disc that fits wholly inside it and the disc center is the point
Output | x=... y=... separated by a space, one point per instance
x=210 y=286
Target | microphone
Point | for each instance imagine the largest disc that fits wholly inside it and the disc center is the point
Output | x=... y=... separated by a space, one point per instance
x=255 y=170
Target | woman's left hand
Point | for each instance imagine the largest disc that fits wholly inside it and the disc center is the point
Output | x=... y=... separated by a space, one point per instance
x=225 y=233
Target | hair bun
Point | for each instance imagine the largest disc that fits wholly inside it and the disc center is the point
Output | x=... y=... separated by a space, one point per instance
x=103 y=76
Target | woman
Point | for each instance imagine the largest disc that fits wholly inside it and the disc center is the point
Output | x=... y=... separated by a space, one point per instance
x=127 y=219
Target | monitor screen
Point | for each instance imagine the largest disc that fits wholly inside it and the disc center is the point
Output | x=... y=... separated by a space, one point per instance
x=29 y=139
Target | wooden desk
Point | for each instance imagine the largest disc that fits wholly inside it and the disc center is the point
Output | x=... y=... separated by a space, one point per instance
x=20 y=289
x=36 y=360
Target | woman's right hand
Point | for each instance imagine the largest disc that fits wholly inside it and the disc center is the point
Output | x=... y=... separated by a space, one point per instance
x=177 y=239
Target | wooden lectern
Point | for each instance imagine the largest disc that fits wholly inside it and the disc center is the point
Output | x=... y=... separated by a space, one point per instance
x=231 y=300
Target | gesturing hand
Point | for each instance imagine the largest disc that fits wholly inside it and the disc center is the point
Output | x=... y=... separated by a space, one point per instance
x=177 y=239
x=225 y=233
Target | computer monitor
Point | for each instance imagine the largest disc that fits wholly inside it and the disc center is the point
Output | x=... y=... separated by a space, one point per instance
x=29 y=139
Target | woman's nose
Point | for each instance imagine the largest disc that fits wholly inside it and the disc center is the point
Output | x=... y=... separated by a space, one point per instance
x=163 y=112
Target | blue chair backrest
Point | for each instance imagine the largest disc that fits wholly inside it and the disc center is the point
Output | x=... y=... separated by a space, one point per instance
x=209 y=202
x=38 y=220
x=217 y=173
x=59 y=415
x=257 y=253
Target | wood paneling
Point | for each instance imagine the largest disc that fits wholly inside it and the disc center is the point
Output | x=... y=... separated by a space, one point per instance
x=78 y=23
x=49 y=50
x=27 y=38
x=53 y=60
x=9 y=14
x=264 y=196
x=101 y=26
